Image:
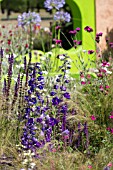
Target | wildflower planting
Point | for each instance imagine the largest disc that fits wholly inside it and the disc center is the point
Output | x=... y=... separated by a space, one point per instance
x=50 y=117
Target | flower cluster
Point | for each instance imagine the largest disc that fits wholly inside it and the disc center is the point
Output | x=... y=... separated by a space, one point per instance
x=59 y=16
x=39 y=118
x=101 y=73
x=14 y=41
x=50 y=4
x=29 y=18
x=98 y=35
x=62 y=16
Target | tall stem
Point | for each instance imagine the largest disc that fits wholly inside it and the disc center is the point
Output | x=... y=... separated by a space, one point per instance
x=30 y=38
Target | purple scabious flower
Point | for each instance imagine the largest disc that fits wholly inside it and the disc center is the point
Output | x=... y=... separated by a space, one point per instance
x=73 y=32
x=97 y=39
x=50 y=4
x=99 y=34
x=29 y=18
x=62 y=16
x=88 y=29
x=90 y=51
x=77 y=29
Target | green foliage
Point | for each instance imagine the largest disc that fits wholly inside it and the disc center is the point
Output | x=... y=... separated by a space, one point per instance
x=21 y=5
x=16 y=6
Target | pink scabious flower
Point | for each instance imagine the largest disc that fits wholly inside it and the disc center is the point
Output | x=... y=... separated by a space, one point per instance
x=89 y=166
x=74 y=32
x=77 y=29
x=89 y=82
x=93 y=117
x=101 y=88
x=109 y=164
x=102 y=70
x=97 y=39
x=107 y=39
x=90 y=51
x=105 y=64
x=111 y=44
x=107 y=87
x=77 y=42
x=111 y=116
x=58 y=27
x=66 y=137
x=112 y=130
x=58 y=41
x=99 y=34
x=88 y=29
x=100 y=75
x=81 y=75
x=83 y=82
x=54 y=150
x=9 y=42
x=108 y=128
x=88 y=76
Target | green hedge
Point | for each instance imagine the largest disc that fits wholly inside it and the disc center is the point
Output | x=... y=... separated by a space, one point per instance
x=21 y=5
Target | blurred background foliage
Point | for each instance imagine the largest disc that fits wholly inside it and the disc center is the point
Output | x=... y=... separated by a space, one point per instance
x=21 y=5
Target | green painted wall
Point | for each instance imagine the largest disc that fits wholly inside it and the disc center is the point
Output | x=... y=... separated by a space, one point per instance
x=83 y=12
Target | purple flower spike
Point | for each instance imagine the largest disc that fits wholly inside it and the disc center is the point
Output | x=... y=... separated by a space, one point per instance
x=88 y=29
x=30 y=121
